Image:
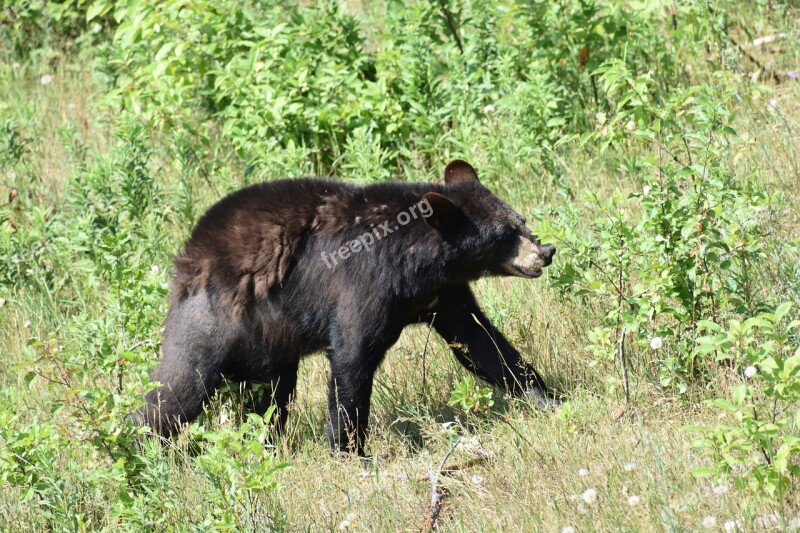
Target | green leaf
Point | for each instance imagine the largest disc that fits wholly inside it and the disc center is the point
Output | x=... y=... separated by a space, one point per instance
x=703 y=471
x=96 y=9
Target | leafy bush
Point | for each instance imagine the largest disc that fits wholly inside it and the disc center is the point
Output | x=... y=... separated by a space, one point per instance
x=682 y=249
x=438 y=68
x=760 y=445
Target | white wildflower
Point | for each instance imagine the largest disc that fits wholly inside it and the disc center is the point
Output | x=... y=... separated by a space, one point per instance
x=656 y=343
x=2 y=302
x=26 y=324
x=583 y=472
x=750 y=371
x=731 y=525
x=709 y=522
x=488 y=109
x=567 y=529
x=154 y=269
x=634 y=500
x=589 y=496
x=630 y=127
x=46 y=79
x=15 y=65
x=348 y=522
x=629 y=467
x=97 y=28
x=646 y=190
x=477 y=480
x=157 y=28
x=223 y=418
x=772 y=105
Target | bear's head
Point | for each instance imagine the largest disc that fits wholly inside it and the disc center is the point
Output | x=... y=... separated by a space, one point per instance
x=486 y=236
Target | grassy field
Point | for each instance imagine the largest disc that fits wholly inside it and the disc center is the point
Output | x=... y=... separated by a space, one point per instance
x=96 y=200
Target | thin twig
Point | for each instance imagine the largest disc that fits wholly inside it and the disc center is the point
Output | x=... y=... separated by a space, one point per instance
x=624 y=366
x=771 y=39
x=437 y=491
x=451 y=25
x=767 y=72
x=425 y=350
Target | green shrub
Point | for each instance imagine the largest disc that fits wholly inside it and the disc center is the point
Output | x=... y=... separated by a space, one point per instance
x=680 y=250
x=759 y=445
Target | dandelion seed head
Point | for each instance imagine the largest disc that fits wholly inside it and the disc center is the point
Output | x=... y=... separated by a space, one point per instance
x=709 y=522
x=731 y=525
x=47 y=79
x=750 y=371
x=772 y=105
x=477 y=480
x=583 y=472
x=589 y=496
x=567 y=529
x=656 y=343
x=634 y=500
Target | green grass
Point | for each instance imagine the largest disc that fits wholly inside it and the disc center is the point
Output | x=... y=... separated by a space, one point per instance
x=536 y=466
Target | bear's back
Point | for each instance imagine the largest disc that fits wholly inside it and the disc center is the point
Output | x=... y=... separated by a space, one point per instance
x=243 y=245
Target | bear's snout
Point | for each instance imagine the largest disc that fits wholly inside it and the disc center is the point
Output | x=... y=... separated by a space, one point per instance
x=547 y=251
x=529 y=258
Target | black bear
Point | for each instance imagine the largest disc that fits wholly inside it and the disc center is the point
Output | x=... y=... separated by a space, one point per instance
x=282 y=269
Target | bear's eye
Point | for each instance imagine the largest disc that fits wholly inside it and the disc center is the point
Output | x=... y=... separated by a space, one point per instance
x=507 y=231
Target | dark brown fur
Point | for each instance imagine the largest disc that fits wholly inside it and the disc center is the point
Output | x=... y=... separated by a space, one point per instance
x=253 y=292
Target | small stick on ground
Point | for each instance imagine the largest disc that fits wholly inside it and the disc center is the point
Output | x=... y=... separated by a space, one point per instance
x=437 y=492
x=454 y=468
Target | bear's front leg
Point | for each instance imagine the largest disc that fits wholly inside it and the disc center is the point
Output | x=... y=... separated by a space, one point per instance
x=482 y=349
x=349 y=392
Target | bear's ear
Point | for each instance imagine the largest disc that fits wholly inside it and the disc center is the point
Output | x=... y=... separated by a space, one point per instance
x=459 y=171
x=442 y=213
